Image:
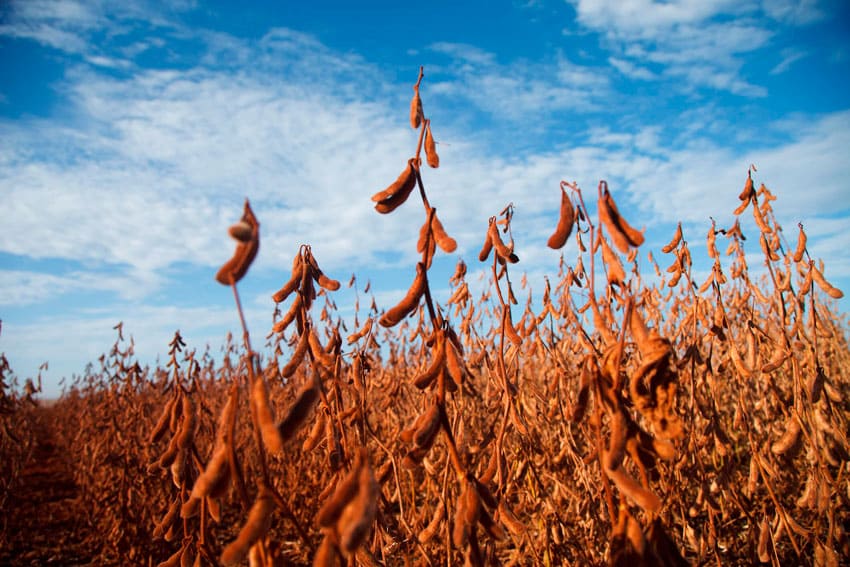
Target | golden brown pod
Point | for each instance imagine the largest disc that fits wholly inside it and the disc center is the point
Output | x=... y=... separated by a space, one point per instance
x=454 y=364
x=235 y=268
x=801 y=245
x=364 y=330
x=173 y=560
x=788 y=442
x=290 y=314
x=438 y=362
x=430 y=147
x=758 y=216
x=446 y=243
x=416 y=113
x=318 y=351
x=510 y=330
x=509 y=519
x=163 y=422
x=583 y=396
x=466 y=515
x=427 y=431
x=485 y=249
x=212 y=482
x=409 y=302
x=827 y=287
x=396 y=194
x=634 y=491
x=764 y=544
x=566 y=220
x=748 y=191
x=711 y=242
x=240 y=231
x=616 y=273
x=297 y=355
x=327 y=555
x=617 y=441
x=621 y=232
x=265 y=418
x=315 y=436
x=357 y=519
x=299 y=412
x=502 y=250
x=168 y=519
x=187 y=429
x=674 y=242
x=433 y=526
x=295 y=278
x=344 y=492
x=780 y=355
x=765 y=247
x=255 y=527
x=319 y=276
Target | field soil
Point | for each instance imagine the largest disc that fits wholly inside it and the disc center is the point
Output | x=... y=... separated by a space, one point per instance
x=43 y=522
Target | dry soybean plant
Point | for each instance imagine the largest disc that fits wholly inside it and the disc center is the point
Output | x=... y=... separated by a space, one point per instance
x=641 y=410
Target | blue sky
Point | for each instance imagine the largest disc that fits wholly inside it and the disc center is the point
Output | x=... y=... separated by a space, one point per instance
x=131 y=132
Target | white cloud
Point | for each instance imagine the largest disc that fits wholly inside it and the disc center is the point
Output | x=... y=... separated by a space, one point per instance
x=22 y=287
x=646 y=18
x=520 y=89
x=62 y=25
x=631 y=70
x=789 y=57
x=793 y=11
x=703 y=43
x=464 y=52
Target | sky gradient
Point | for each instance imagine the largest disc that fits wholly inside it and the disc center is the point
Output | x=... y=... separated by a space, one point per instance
x=131 y=133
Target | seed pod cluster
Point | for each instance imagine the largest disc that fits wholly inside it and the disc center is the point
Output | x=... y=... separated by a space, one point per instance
x=422 y=434
x=431 y=235
x=305 y=272
x=825 y=286
x=473 y=509
x=215 y=478
x=493 y=241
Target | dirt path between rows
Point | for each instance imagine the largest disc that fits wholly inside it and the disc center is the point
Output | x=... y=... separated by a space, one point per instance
x=45 y=523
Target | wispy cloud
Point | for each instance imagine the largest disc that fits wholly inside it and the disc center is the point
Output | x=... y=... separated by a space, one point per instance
x=520 y=89
x=793 y=11
x=20 y=287
x=631 y=70
x=60 y=25
x=789 y=57
x=701 y=43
